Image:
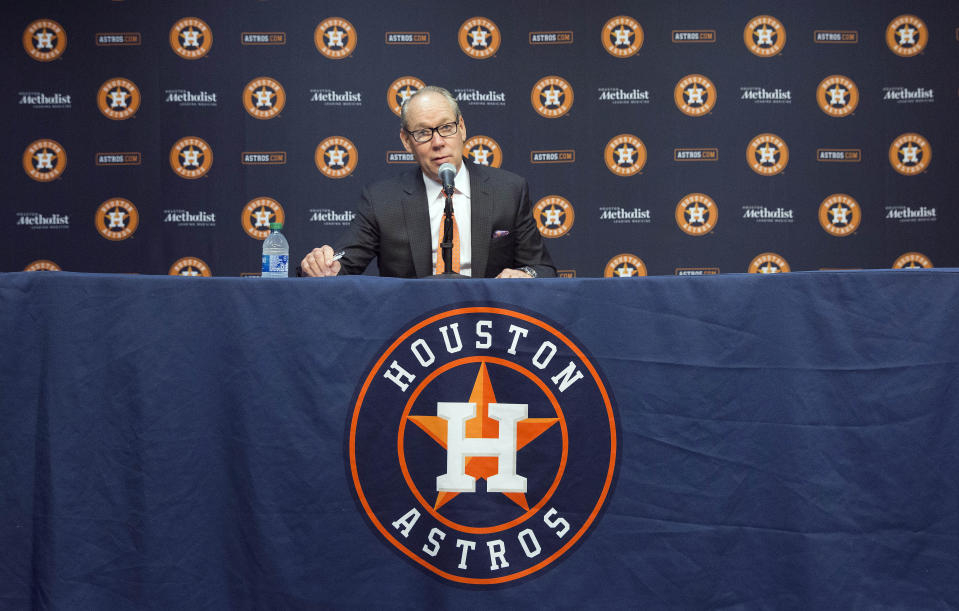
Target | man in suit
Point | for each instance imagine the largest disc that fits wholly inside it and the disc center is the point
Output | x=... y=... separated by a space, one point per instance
x=400 y=221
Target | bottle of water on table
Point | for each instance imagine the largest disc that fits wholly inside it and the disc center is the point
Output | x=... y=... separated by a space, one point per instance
x=276 y=254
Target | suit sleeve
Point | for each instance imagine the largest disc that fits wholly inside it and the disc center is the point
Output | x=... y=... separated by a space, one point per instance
x=530 y=247
x=362 y=240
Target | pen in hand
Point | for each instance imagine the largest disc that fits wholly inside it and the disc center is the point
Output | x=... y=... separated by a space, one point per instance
x=338 y=255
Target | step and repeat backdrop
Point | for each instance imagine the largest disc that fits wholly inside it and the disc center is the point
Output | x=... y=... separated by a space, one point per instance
x=698 y=137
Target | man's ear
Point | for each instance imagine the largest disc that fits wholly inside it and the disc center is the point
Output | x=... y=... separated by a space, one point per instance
x=463 y=127
x=404 y=138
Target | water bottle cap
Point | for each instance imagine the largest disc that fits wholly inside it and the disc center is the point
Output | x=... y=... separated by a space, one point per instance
x=276 y=226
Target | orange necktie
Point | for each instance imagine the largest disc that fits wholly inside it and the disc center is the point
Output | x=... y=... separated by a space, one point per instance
x=440 y=266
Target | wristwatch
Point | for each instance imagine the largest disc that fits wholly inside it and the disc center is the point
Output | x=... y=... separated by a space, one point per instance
x=530 y=271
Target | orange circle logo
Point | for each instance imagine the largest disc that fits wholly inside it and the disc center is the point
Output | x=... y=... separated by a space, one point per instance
x=336 y=157
x=767 y=154
x=552 y=97
x=400 y=90
x=840 y=214
x=479 y=38
x=910 y=154
x=258 y=214
x=44 y=160
x=42 y=265
x=768 y=263
x=554 y=216
x=913 y=260
x=191 y=38
x=464 y=405
x=837 y=95
x=118 y=99
x=697 y=214
x=117 y=219
x=625 y=155
x=191 y=157
x=264 y=98
x=622 y=36
x=907 y=35
x=483 y=150
x=695 y=95
x=335 y=38
x=44 y=40
x=190 y=266
x=625 y=266
x=764 y=36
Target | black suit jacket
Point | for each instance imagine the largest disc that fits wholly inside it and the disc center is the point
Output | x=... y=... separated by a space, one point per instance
x=392 y=223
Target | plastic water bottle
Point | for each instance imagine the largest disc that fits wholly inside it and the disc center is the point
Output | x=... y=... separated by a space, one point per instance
x=276 y=254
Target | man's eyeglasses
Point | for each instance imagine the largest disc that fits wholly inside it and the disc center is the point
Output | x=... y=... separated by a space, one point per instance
x=426 y=134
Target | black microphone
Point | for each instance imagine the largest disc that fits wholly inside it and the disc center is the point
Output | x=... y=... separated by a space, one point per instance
x=447 y=175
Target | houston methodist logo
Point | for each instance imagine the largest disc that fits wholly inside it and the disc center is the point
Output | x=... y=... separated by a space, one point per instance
x=505 y=444
x=554 y=216
x=767 y=154
x=191 y=157
x=695 y=95
x=400 y=90
x=479 y=38
x=44 y=40
x=697 y=214
x=117 y=219
x=625 y=265
x=483 y=150
x=191 y=38
x=258 y=214
x=764 y=36
x=552 y=97
x=335 y=38
x=837 y=95
x=336 y=157
x=118 y=99
x=910 y=154
x=840 y=214
x=44 y=160
x=907 y=35
x=264 y=98
x=625 y=155
x=622 y=36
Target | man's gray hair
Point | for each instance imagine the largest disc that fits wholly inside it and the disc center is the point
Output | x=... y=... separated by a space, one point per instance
x=435 y=90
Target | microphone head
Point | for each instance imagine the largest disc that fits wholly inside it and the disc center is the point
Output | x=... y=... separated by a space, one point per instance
x=447 y=172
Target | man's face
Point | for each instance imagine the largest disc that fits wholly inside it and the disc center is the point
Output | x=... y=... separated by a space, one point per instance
x=429 y=110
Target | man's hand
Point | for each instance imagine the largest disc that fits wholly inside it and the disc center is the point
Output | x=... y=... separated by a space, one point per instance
x=319 y=262
x=513 y=273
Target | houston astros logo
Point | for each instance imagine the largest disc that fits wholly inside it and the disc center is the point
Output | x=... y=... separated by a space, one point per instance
x=768 y=263
x=910 y=154
x=552 y=97
x=117 y=219
x=190 y=266
x=697 y=214
x=839 y=214
x=400 y=90
x=622 y=36
x=479 y=37
x=264 y=98
x=912 y=260
x=764 y=36
x=505 y=444
x=907 y=35
x=625 y=155
x=335 y=38
x=767 y=154
x=44 y=160
x=837 y=95
x=483 y=150
x=118 y=99
x=554 y=216
x=695 y=95
x=258 y=214
x=44 y=40
x=42 y=265
x=191 y=38
x=191 y=157
x=336 y=157
x=624 y=266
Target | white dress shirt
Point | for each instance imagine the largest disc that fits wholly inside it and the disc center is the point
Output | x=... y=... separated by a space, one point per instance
x=461 y=209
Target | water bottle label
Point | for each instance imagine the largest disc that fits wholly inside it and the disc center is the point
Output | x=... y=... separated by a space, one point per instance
x=275 y=263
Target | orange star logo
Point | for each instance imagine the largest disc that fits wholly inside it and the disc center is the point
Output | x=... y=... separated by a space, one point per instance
x=482 y=426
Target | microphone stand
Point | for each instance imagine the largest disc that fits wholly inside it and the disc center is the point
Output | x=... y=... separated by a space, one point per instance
x=446 y=245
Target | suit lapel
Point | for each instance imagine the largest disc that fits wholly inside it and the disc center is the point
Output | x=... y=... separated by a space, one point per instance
x=417 y=216
x=481 y=206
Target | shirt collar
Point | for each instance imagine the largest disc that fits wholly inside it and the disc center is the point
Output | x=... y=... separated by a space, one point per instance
x=461 y=183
